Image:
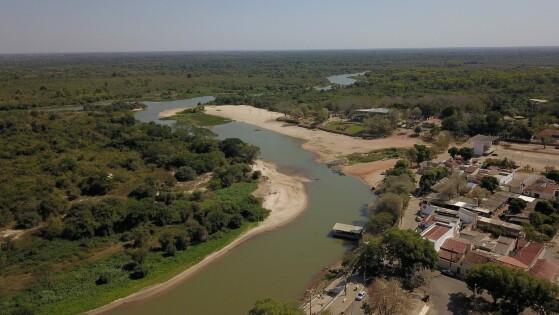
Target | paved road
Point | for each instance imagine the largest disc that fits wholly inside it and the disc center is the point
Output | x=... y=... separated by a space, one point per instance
x=447 y=295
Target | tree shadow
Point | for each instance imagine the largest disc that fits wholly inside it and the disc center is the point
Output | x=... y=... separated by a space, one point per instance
x=459 y=304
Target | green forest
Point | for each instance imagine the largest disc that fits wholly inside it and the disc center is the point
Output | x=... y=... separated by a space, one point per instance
x=102 y=204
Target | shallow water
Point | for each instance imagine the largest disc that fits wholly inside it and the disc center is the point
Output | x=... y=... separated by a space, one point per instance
x=278 y=264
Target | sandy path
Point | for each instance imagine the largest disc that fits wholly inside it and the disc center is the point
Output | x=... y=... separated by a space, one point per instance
x=285 y=196
x=328 y=146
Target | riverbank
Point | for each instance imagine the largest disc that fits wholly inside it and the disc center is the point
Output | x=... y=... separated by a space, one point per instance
x=284 y=195
x=326 y=145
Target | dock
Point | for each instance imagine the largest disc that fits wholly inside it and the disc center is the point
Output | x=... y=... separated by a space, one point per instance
x=347 y=231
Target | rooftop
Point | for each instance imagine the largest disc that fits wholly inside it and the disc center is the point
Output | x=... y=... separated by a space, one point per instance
x=456 y=245
x=500 y=223
x=544 y=187
x=538 y=100
x=435 y=232
x=512 y=262
x=528 y=254
x=475 y=257
x=483 y=138
x=377 y=110
x=347 y=228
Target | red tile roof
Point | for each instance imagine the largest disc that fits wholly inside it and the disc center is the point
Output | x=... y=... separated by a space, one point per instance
x=436 y=232
x=528 y=254
x=456 y=245
x=512 y=262
x=477 y=257
x=543 y=188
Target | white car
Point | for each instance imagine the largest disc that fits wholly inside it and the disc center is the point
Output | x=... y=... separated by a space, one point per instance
x=360 y=296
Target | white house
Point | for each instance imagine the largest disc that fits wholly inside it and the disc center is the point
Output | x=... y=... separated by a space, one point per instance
x=438 y=233
x=483 y=145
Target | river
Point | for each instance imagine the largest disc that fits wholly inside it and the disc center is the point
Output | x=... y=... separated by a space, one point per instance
x=345 y=79
x=279 y=264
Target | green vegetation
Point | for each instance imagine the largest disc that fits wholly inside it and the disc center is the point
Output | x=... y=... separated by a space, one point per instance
x=513 y=290
x=397 y=252
x=97 y=195
x=345 y=127
x=544 y=221
x=197 y=117
x=273 y=307
x=431 y=177
x=500 y=163
x=377 y=155
x=490 y=183
x=394 y=192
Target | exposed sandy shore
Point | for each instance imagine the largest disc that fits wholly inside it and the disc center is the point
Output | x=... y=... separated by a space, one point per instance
x=170 y=112
x=328 y=146
x=284 y=195
x=371 y=172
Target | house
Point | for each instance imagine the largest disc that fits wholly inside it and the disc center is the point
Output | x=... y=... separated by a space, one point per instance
x=530 y=253
x=477 y=257
x=543 y=189
x=507 y=228
x=504 y=245
x=503 y=176
x=438 y=233
x=512 y=262
x=545 y=269
x=483 y=145
x=452 y=253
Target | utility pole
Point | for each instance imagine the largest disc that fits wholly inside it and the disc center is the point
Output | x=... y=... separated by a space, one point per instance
x=310 y=301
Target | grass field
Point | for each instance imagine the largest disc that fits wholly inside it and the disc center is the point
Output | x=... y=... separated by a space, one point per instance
x=199 y=119
x=377 y=155
x=349 y=128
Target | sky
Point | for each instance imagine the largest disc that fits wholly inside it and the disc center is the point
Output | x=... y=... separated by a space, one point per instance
x=55 y=26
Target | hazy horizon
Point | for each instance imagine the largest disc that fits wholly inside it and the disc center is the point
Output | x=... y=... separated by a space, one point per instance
x=103 y=26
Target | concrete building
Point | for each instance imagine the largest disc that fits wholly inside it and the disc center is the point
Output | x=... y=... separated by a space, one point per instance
x=544 y=189
x=483 y=145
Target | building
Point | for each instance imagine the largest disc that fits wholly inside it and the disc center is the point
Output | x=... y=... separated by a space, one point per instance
x=503 y=176
x=483 y=145
x=504 y=245
x=507 y=228
x=360 y=114
x=438 y=233
x=512 y=262
x=477 y=257
x=530 y=253
x=544 y=189
x=452 y=253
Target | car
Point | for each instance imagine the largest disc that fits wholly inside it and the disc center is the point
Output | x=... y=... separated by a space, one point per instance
x=360 y=296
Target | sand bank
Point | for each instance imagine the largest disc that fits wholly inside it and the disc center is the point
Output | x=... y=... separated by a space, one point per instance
x=170 y=112
x=328 y=146
x=372 y=172
x=285 y=196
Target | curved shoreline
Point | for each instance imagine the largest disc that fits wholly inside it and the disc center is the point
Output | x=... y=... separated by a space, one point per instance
x=284 y=195
x=327 y=146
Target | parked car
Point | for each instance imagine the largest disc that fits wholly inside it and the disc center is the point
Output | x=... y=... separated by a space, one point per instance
x=360 y=296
